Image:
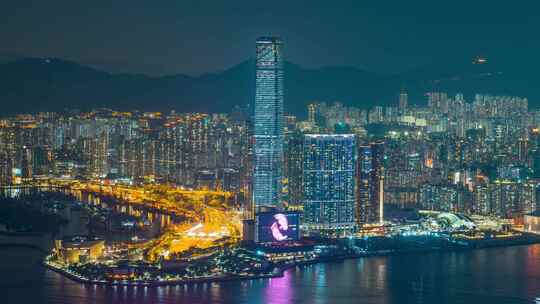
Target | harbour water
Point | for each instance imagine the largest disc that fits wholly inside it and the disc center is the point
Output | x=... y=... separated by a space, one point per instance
x=494 y=275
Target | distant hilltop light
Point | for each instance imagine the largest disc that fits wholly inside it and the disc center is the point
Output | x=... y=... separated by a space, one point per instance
x=480 y=60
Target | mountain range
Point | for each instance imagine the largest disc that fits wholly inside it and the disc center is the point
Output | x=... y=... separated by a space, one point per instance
x=31 y=85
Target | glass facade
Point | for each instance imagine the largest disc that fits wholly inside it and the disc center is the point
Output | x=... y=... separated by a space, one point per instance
x=329 y=181
x=268 y=120
x=370 y=188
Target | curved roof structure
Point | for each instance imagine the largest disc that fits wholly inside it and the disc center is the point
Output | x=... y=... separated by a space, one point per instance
x=455 y=221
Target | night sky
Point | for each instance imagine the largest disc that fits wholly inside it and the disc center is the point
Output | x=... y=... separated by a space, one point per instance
x=193 y=37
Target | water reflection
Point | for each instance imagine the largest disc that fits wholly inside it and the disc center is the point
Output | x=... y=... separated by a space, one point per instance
x=279 y=290
x=109 y=217
x=500 y=275
x=533 y=271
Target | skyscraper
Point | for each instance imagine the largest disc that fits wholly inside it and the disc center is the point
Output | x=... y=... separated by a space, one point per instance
x=312 y=108
x=268 y=120
x=294 y=153
x=403 y=101
x=329 y=184
x=370 y=176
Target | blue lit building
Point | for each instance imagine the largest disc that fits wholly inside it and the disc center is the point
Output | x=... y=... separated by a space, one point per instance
x=268 y=120
x=329 y=183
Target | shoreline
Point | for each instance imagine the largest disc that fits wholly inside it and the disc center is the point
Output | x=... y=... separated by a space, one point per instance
x=26 y=246
x=280 y=269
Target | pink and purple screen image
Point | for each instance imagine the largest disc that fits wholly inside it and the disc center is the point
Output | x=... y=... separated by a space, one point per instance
x=277 y=227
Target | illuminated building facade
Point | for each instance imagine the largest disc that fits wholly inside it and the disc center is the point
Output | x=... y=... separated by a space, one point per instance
x=531 y=222
x=329 y=184
x=79 y=249
x=439 y=197
x=294 y=152
x=370 y=176
x=268 y=124
x=312 y=109
x=403 y=101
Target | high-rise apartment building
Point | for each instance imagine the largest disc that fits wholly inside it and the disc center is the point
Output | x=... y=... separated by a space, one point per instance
x=403 y=101
x=370 y=178
x=329 y=183
x=294 y=153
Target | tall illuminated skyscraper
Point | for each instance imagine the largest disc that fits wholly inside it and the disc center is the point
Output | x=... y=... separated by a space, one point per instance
x=329 y=183
x=268 y=120
x=403 y=101
x=311 y=112
x=293 y=169
x=370 y=177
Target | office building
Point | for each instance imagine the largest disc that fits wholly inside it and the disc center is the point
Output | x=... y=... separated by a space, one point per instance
x=370 y=178
x=268 y=124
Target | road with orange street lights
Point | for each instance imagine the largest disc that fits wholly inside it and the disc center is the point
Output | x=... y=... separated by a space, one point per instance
x=211 y=218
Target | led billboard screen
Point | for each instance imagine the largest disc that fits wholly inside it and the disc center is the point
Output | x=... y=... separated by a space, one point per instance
x=277 y=227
